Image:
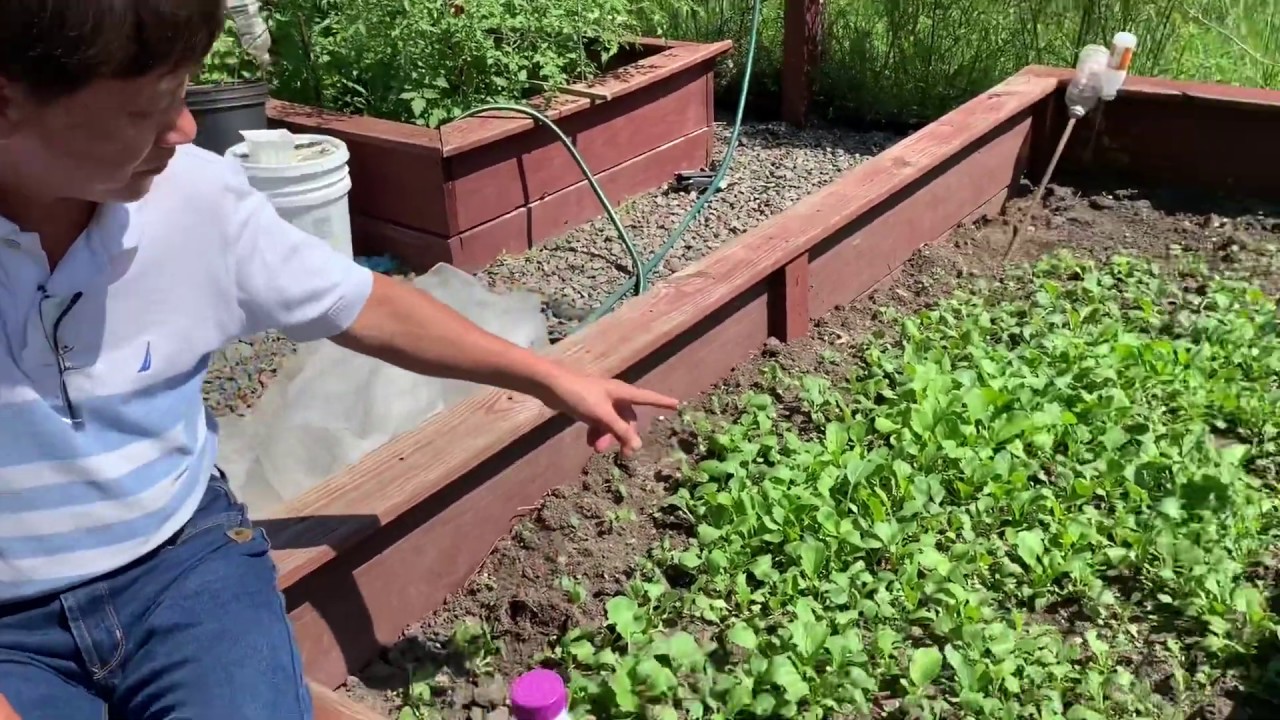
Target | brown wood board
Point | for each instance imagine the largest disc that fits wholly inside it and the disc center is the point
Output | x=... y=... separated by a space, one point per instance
x=1217 y=138
x=329 y=705
x=876 y=243
x=539 y=221
x=474 y=170
x=802 y=29
x=670 y=59
x=498 y=177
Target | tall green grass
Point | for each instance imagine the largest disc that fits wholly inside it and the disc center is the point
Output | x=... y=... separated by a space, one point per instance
x=909 y=61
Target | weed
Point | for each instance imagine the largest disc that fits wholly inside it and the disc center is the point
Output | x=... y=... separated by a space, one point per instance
x=574 y=589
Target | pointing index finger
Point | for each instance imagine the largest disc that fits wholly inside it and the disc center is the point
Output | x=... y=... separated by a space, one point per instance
x=642 y=396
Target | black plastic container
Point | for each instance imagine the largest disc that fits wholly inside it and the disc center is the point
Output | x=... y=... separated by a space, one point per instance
x=222 y=111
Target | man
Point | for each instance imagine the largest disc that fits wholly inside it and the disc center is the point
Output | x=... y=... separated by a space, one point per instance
x=128 y=582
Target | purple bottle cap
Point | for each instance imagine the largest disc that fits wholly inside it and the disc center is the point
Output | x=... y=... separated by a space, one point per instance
x=538 y=695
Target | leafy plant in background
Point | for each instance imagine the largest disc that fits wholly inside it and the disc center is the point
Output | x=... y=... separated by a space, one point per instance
x=228 y=62
x=427 y=61
x=1250 y=31
x=910 y=61
x=1019 y=510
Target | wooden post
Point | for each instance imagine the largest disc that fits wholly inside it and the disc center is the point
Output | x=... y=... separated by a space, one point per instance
x=802 y=46
x=789 y=300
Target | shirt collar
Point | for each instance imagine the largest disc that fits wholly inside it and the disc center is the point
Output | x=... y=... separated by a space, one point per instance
x=111 y=229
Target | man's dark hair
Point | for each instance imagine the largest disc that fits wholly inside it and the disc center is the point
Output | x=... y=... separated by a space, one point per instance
x=54 y=48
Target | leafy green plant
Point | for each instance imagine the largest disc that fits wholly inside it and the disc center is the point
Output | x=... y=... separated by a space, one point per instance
x=1010 y=512
x=473 y=642
x=573 y=589
x=228 y=62
x=417 y=697
x=472 y=649
x=427 y=62
x=910 y=61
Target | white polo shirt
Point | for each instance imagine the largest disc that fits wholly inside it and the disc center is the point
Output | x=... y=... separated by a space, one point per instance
x=159 y=285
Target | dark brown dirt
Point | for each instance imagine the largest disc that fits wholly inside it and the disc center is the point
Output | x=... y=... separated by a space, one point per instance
x=596 y=530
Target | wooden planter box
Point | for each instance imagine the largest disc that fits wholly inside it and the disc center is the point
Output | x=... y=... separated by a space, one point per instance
x=493 y=184
x=382 y=544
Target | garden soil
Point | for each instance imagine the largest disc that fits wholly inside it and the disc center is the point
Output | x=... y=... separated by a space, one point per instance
x=595 y=529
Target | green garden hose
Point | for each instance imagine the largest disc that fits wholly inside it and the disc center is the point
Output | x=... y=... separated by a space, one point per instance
x=641 y=281
x=643 y=270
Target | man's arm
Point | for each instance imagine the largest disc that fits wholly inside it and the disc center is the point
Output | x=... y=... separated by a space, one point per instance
x=287 y=280
x=6 y=710
x=409 y=328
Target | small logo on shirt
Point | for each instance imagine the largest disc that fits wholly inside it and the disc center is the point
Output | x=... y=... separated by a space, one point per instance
x=146 y=360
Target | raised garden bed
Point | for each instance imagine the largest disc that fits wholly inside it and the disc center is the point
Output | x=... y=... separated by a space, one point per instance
x=493 y=184
x=572 y=579
x=378 y=548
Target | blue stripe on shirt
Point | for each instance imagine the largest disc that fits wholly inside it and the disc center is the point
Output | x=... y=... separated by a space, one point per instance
x=111 y=421
x=114 y=533
x=75 y=492
x=118 y=428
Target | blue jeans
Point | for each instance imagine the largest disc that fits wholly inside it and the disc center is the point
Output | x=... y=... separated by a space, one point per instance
x=196 y=630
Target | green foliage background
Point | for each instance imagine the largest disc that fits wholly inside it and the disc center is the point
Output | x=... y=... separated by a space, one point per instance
x=913 y=60
x=890 y=61
x=427 y=61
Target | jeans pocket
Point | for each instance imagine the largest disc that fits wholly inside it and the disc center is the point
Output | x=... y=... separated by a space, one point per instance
x=219 y=482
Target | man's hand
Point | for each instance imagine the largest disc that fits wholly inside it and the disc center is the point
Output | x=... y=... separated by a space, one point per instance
x=607 y=407
x=412 y=330
x=6 y=710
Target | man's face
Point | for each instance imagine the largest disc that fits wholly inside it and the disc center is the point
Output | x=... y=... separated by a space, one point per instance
x=104 y=143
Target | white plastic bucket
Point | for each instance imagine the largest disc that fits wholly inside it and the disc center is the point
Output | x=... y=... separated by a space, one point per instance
x=310 y=193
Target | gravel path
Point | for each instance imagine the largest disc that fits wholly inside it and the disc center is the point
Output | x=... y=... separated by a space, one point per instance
x=775 y=165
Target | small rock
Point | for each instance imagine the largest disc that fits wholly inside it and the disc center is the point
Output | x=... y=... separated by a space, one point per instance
x=1101 y=202
x=491 y=692
x=500 y=714
x=463 y=695
x=1058 y=191
x=566 y=310
x=477 y=713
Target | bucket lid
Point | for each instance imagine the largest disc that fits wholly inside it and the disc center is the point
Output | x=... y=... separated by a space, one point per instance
x=312 y=153
x=538 y=695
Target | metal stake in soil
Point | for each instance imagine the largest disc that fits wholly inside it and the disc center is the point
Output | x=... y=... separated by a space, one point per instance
x=1082 y=94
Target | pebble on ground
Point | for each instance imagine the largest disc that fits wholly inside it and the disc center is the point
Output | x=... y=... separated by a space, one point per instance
x=775 y=165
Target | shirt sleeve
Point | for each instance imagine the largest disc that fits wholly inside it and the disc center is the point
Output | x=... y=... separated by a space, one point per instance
x=286 y=279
